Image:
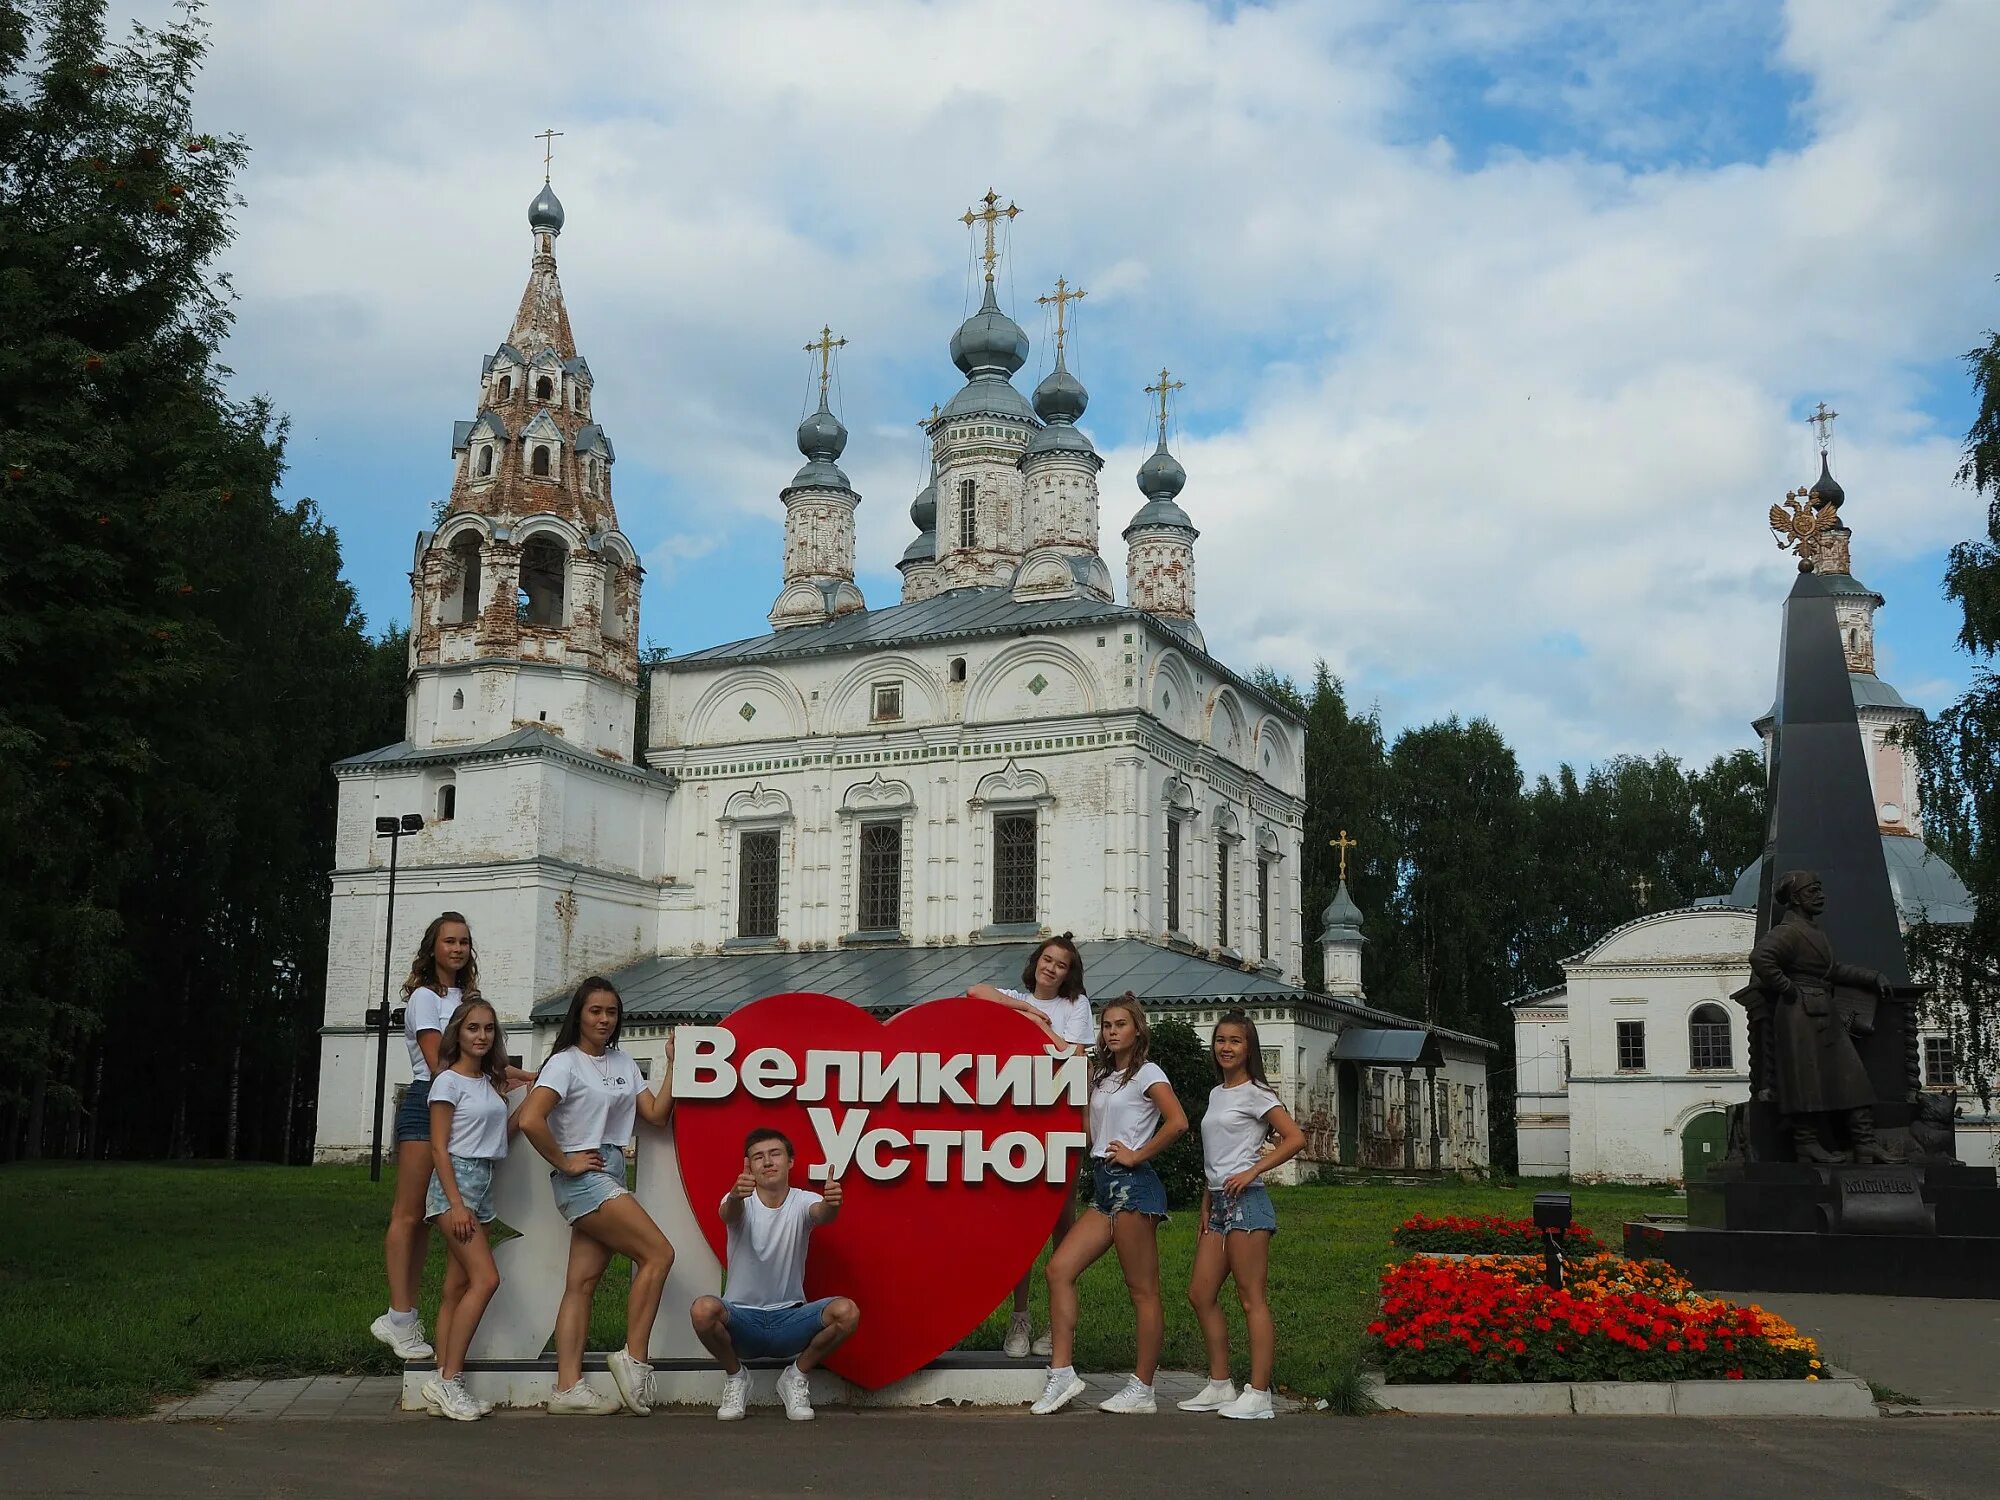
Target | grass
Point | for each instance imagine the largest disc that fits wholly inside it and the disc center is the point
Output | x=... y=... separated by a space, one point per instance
x=124 y=1283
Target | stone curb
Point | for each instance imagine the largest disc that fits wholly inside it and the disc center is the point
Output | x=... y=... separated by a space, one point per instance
x=1836 y=1394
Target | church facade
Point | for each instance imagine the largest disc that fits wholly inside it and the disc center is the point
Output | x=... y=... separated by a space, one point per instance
x=1625 y=1068
x=887 y=804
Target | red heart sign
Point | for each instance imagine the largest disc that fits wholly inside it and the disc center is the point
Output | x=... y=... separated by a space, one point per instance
x=933 y=1234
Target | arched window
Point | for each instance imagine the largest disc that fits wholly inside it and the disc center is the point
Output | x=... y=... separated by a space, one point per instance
x=458 y=699
x=543 y=563
x=590 y=475
x=609 y=621
x=540 y=467
x=968 y=513
x=506 y=386
x=463 y=608
x=1708 y=1038
x=447 y=802
x=486 y=461
x=544 y=388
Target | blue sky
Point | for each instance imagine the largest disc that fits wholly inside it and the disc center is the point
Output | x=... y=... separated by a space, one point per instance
x=1499 y=321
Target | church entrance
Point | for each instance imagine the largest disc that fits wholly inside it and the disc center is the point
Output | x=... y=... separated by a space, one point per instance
x=1701 y=1143
x=1349 y=1089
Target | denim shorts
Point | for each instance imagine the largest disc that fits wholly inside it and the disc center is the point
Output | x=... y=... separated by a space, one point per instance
x=413 y=1115
x=577 y=1196
x=1115 y=1189
x=1249 y=1209
x=475 y=1188
x=775 y=1332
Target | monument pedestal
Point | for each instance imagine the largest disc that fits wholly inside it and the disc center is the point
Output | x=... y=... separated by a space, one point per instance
x=1929 y=1229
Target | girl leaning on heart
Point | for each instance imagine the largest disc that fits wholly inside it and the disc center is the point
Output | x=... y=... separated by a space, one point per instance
x=1134 y=1116
x=579 y=1116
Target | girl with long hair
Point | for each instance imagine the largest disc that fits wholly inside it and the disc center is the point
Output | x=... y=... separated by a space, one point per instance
x=1052 y=996
x=1245 y=1132
x=1134 y=1116
x=470 y=1127
x=444 y=971
x=579 y=1116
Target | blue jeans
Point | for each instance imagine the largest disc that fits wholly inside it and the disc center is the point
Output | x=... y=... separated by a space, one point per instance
x=775 y=1332
x=413 y=1115
x=475 y=1188
x=1115 y=1190
x=585 y=1194
x=1249 y=1210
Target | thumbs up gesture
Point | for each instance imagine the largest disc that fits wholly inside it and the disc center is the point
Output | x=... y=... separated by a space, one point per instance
x=745 y=1184
x=833 y=1194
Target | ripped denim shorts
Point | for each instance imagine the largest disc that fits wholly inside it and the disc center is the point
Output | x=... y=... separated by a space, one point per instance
x=1115 y=1190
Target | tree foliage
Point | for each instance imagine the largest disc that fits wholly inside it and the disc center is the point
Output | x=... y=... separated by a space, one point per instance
x=183 y=659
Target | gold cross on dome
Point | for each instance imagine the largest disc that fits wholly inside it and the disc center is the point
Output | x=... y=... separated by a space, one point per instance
x=1165 y=388
x=1343 y=844
x=825 y=344
x=548 y=139
x=1822 y=421
x=1643 y=889
x=990 y=216
x=1063 y=296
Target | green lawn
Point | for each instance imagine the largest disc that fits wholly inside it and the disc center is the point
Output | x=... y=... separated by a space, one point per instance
x=120 y=1284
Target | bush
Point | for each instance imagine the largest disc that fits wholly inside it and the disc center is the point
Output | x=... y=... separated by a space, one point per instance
x=1183 y=1056
x=1490 y=1234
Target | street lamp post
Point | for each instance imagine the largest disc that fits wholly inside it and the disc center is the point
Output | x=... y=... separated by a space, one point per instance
x=395 y=830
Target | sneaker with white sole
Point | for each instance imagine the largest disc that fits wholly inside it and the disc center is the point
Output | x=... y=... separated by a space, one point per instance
x=432 y=1392
x=580 y=1400
x=735 y=1397
x=407 y=1339
x=456 y=1402
x=1213 y=1397
x=1252 y=1406
x=1064 y=1387
x=1042 y=1347
x=634 y=1379
x=1132 y=1400
x=795 y=1392
x=1020 y=1333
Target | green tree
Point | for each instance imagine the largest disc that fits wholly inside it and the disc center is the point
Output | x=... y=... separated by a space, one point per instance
x=1182 y=1054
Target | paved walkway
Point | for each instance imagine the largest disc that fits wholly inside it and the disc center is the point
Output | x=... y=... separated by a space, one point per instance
x=1941 y=1351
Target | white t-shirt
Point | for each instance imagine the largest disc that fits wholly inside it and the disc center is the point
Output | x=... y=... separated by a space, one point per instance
x=1233 y=1131
x=596 y=1097
x=1068 y=1019
x=1120 y=1113
x=478 y=1114
x=426 y=1010
x=767 y=1251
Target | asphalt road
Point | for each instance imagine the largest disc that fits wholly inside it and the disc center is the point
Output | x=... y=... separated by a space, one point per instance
x=1076 y=1457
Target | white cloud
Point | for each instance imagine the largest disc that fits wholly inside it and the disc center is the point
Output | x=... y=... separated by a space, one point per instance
x=1437 y=415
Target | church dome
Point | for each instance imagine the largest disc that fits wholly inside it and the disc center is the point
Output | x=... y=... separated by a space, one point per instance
x=1161 y=476
x=1060 y=397
x=1826 y=489
x=989 y=341
x=923 y=509
x=1341 y=921
x=546 y=212
x=822 y=436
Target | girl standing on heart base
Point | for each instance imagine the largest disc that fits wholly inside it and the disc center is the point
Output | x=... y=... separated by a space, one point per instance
x=1245 y=1133
x=444 y=971
x=1134 y=1116
x=579 y=1116
x=1052 y=996
x=470 y=1128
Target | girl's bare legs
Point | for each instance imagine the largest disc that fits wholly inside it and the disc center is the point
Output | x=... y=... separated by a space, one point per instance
x=476 y=1279
x=1087 y=1240
x=587 y=1260
x=623 y=1227
x=1249 y=1259
x=408 y=1241
x=1138 y=1240
x=1211 y=1269
x=1065 y=1221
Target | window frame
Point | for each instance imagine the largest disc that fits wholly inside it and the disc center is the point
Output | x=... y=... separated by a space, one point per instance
x=1630 y=1040
x=1709 y=1039
x=877 y=693
x=872 y=887
x=1027 y=875
x=744 y=877
x=968 y=514
x=1940 y=1063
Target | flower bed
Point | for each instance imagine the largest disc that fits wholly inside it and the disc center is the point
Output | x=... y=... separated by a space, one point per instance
x=1490 y=1321
x=1489 y=1234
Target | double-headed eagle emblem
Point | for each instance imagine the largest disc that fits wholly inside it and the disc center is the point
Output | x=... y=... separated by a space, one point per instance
x=1799 y=521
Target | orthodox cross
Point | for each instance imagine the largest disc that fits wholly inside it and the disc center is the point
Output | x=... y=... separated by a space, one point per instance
x=990 y=217
x=1343 y=844
x=824 y=345
x=548 y=140
x=1821 y=420
x=1643 y=889
x=1063 y=296
x=1165 y=388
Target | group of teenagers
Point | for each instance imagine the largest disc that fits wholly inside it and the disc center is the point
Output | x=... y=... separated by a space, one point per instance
x=579 y=1110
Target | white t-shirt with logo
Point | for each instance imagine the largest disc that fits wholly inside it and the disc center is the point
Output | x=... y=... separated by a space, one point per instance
x=426 y=1010
x=1233 y=1130
x=597 y=1098
x=478 y=1114
x=1120 y=1112
x=767 y=1251
x=1068 y=1019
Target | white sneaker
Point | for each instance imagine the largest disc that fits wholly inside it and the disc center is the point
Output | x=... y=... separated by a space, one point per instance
x=432 y=1392
x=735 y=1397
x=1214 y=1396
x=1019 y=1334
x=1252 y=1406
x=1133 y=1400
x=634 y=1379
x=794 y=1392
x=456 y=1402
x=1063 y=1388
x=1042 y=1347
x=407 y=1339
x=581 y=1401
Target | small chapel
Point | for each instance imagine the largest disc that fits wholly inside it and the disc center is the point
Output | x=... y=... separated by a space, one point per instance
x=886 y=802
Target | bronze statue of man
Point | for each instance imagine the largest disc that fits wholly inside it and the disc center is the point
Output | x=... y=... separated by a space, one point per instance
x=1814 y=1007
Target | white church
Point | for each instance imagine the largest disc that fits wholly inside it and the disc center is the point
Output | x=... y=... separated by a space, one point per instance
x=885 y=804
x=1625 y=1068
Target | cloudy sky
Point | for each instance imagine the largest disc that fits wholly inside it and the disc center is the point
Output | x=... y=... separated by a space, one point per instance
x=1499 y=321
